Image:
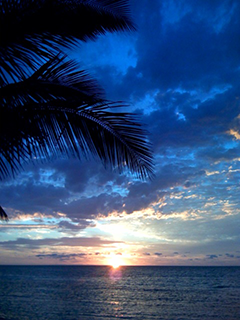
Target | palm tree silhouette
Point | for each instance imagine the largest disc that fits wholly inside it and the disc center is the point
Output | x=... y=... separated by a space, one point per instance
x=48 y=106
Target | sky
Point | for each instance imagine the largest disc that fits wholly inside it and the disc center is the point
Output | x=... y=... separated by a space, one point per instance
x=180 y=72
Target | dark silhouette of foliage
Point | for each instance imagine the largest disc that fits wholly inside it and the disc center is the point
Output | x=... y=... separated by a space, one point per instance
x=48 y=106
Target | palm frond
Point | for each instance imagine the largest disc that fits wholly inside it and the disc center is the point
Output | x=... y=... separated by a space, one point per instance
x=49 y=107
x=56 y=79
x=3 y=215
x=117 y=139
x=43 y=130
x=33 y=30
x=59 y=110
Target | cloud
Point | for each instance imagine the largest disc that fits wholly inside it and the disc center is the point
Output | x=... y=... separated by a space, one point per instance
x=158 y=254
x=180 y=73
x=59 y=242
x=234 y=133
x=41 y=192
x=62 y=257
x=70 y=227
x=211 y=256
x=31 y=198
x=182 y=45
x=26 y=226
x=90 y=207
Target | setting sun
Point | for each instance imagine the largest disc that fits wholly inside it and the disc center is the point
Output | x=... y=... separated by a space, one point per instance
x=115 y=261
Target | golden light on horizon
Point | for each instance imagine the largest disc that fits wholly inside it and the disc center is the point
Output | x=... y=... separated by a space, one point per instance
x=115 y=261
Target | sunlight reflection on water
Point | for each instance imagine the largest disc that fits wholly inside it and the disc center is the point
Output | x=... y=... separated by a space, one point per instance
x=115 y=274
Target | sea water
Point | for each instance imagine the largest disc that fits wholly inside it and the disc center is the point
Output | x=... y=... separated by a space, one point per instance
x=94 y=292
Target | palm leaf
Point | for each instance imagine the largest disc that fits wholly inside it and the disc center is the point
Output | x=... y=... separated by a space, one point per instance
x=43 y=130
x=33 y=29
x=3 y=215
x=56 y=79
x=59 y=110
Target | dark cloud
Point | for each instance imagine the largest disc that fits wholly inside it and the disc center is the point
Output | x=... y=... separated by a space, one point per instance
x=31 y=198
x=59 y=242
x=90 y=207
x=78 y=176
x=70 y=227
x=205 y=127
x=158 y=254
x=52 y=188
x=62 y=257
x=211 y=256
x=179 y=44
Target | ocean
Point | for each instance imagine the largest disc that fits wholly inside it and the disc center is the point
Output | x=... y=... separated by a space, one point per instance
x=96 y=292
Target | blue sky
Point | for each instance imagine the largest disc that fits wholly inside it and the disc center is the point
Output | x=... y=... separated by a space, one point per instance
x=180 y=71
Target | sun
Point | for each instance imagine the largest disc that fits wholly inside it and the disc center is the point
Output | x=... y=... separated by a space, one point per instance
x=115 y=265
x=115 y=261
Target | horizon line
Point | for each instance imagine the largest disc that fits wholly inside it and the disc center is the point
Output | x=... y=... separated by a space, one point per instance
x=110 y=266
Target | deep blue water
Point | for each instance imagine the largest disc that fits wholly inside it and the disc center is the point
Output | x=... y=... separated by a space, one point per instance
x=87 y=292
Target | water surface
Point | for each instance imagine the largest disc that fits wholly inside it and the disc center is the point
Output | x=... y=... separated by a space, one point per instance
x=92 y=292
